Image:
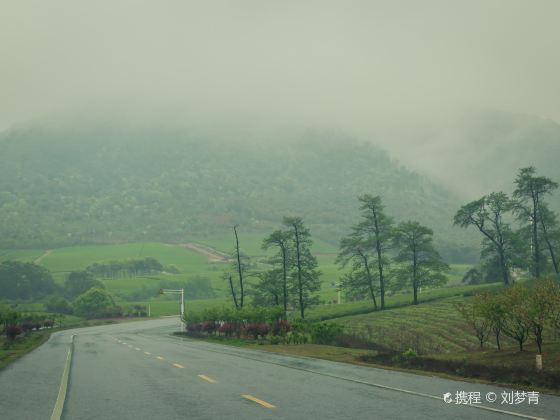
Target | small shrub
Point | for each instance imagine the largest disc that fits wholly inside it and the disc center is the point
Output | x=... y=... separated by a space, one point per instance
x=276 y=340
x=228 y=329
x=325 y=333
x=255 y=330
x=410 y=352
x=12 y=332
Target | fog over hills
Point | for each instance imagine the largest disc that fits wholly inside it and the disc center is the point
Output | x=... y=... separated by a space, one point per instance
x=63 y=185
x=481 y=152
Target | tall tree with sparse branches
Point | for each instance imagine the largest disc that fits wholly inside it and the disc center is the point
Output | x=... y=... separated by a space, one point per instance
x=281 y=240
x=529 y=194
x=487 y=215
x=306 y=276
x=376 y=230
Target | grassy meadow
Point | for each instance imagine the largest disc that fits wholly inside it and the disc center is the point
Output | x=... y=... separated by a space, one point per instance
x=143 y=289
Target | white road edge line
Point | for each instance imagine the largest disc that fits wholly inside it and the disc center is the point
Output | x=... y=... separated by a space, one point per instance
x=390 y=388
x=59 y=404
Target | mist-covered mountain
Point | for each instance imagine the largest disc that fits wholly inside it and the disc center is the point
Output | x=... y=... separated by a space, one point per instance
x=63 y=185
x=481 y=152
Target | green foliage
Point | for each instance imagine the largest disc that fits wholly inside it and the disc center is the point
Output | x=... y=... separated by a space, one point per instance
x=410 y=352
x=58 y=304
x=78 y=282
x=325 y=332
x=94 y=303
x=23 y=280
x=420 y=264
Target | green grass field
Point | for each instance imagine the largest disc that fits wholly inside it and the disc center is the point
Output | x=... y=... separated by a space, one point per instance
x=143 y=289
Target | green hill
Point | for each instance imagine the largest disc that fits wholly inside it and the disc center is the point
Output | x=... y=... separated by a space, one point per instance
x=62 y=185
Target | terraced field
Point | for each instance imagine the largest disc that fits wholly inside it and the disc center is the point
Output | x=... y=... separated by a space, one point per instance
x=432 y=327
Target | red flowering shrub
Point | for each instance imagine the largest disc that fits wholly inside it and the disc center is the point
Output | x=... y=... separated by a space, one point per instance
x=209 y=327
x=12 y=332
x=254 y=330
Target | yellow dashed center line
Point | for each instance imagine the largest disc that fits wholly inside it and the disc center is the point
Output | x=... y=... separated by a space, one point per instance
x=159 y=358
x=260 y=402
x=177 y=365
x=147 y=353
x=207 y=379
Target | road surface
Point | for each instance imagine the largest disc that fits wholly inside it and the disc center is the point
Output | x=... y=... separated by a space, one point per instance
x=138 y=370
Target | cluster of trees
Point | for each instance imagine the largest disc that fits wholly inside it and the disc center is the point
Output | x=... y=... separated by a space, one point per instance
x=519 y=312
x=81 y=294
x=293 y=278
x=519 y=232
x=128 y=268
x=383 y=255
x=24 y=281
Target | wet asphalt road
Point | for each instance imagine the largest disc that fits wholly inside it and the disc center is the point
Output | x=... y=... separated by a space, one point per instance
x=138 y=370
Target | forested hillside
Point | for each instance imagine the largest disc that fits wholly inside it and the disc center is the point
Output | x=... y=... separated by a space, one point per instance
x=63 y=185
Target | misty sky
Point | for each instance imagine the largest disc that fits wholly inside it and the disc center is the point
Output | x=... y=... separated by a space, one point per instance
x=349 y=65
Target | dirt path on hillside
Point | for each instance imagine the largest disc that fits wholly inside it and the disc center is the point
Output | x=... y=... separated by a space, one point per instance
x=39 y=259
x=213 y=255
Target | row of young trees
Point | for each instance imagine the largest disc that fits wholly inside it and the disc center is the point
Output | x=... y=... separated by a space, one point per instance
x=127 y=268
x=532 y=243
x=520 y=312
x=294 y=276
x=383 y=255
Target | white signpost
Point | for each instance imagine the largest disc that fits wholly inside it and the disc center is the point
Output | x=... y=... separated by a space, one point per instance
x=182 y=310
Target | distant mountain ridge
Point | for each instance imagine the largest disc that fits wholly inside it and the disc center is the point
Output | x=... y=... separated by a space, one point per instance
x=65 y=185
x=482 y=152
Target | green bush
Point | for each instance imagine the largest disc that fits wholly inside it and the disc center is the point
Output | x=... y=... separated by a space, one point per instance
x=410 y=352
x=325 y=333
x=94 y=303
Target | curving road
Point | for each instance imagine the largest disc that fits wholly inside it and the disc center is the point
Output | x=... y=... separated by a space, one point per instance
x=138 y=370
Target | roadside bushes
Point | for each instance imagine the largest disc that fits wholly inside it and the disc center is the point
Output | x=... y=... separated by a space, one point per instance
x=519 y=312
x=260 y=323
x=14 y=323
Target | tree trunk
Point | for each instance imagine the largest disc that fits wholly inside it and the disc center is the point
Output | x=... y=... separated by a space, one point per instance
x=550 y=247
x=239 y=269
x=505 y=271
x=536 y=250
x=370 y=282
x=285 y=280
x=498 y=339
x=379 y=261
x=300 y=282
x=414 y=277
x=233 y=291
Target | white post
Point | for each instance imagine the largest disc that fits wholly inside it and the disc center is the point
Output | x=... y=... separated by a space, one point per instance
x=149 y=311
x=539 y=362
x=339 y=296
x=183 y=308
